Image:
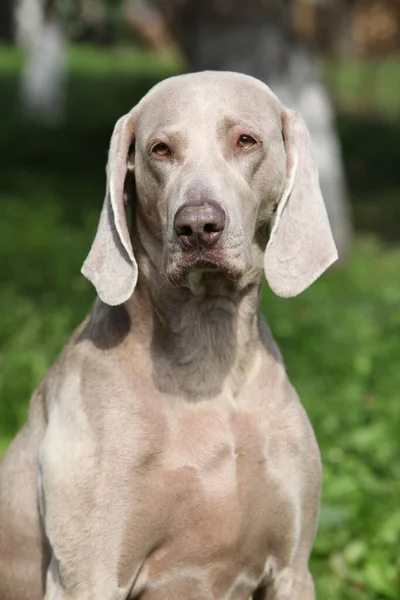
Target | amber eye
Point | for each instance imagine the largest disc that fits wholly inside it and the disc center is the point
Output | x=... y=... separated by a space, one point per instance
x=246 y=141
x=161 y=149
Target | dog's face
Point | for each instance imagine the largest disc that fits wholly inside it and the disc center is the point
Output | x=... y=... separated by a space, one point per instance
x=217 y=162
x=210 y=167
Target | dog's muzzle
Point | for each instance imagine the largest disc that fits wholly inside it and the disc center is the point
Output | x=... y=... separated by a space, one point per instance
x=202 y=242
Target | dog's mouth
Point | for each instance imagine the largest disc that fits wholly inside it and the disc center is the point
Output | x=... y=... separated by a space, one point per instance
x=202 y=265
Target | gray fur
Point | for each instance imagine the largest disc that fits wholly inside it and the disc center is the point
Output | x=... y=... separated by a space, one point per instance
x=166 y=453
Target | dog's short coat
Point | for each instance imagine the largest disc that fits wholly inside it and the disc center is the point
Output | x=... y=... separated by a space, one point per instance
x=166 y=455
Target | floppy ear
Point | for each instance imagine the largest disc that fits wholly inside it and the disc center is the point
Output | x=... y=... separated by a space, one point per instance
x=111 y=265
x=301 y=246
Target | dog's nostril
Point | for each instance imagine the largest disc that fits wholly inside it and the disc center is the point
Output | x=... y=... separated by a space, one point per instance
x=185 y=230
x=210 y=228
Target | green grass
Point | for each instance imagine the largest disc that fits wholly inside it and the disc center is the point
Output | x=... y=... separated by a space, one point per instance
x=341 y=343
x=340 y=339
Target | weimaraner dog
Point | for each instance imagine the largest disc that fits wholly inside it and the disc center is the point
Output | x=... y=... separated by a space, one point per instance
x=166 y=456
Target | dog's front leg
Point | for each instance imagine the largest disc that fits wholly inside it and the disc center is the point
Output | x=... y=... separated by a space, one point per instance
x=56 y=589
x=86 y=508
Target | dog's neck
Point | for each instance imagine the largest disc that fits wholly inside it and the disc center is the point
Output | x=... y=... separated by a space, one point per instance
x=203 y=335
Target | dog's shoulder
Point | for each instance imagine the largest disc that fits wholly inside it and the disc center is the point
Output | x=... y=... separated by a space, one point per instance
x=268 y=341
x=280 y=395
x=100 y=360
x=106 y=327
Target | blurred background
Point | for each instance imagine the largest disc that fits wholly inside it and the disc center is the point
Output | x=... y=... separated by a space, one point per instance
x=69 y=69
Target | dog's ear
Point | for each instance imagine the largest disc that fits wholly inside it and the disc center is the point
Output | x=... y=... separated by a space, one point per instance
x=111 y=265
x=301 y=245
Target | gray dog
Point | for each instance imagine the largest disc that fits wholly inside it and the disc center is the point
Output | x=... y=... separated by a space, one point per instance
x=166 y=456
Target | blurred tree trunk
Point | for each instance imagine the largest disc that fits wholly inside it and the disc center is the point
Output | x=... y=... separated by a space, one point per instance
x=6 y=21
x=255 y=37
x=43 y=77
x=343 y=43
x=145 y=20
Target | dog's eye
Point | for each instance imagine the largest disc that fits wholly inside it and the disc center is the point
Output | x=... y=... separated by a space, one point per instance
x=161 y=149
x=246 y=141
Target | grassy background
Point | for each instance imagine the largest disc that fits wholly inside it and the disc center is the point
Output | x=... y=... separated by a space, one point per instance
x=340 y=339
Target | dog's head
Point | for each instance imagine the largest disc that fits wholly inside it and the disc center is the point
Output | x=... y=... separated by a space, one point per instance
x=225 y=182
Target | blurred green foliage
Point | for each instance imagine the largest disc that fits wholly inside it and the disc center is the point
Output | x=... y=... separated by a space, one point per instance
x=340 y=339
x=369 y=85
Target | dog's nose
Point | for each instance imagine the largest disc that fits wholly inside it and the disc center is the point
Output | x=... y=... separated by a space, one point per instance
x=200 y=225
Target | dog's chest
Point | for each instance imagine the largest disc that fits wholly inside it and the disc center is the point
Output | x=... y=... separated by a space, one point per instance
x=210 y=500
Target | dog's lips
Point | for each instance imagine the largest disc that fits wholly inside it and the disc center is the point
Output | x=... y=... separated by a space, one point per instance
x=202 y=261
x=202 y=264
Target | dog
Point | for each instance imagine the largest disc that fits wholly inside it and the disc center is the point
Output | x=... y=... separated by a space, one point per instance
x=166 y=454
